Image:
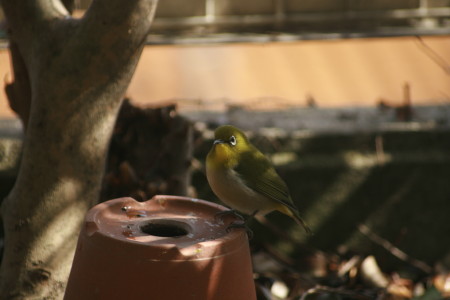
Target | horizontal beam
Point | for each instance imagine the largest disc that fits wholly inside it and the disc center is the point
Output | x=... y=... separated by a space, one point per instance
x=290 y=26
x=217 y=20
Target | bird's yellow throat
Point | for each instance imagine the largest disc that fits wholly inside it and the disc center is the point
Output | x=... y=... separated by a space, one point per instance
x=221 y=157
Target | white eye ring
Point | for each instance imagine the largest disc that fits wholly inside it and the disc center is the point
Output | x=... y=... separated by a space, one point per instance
x=233 y=140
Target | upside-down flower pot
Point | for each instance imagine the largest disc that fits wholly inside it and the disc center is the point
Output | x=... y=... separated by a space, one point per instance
x=162 y=249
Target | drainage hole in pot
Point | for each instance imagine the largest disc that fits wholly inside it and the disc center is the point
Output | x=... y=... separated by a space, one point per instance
x=164 y=229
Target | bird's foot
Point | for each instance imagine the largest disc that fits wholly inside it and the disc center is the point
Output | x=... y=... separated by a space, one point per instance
x=220 y=215
x=241 y=225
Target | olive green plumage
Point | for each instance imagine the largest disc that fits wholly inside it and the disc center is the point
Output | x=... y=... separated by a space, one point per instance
x=243 y=178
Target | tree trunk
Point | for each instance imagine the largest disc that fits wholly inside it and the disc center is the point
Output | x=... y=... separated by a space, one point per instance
x=77 y=72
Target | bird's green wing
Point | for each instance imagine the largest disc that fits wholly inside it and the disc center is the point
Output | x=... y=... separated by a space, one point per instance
x=262 y=177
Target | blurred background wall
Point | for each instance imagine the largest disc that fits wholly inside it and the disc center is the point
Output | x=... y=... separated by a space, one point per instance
x=275 y=75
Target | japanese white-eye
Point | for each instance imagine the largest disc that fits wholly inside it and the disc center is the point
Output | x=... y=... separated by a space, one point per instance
x=244 y=179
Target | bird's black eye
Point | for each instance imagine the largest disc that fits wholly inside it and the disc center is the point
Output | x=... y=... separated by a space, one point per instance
x=232 y=140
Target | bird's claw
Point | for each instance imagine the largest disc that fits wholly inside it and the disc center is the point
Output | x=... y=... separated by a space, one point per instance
x=241 y=225
x=229 y=212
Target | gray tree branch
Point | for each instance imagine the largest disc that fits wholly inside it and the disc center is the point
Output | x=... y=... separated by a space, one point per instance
x=27 y=18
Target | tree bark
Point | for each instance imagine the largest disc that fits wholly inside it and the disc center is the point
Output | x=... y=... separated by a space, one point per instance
x=78 y=70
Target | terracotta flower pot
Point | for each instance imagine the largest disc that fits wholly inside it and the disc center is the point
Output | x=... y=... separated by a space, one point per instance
x=165 y=248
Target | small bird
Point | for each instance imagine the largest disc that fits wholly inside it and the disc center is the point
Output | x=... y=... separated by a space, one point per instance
x=244 y=179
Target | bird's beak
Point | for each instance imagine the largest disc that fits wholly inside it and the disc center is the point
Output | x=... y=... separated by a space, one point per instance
x=218 y=142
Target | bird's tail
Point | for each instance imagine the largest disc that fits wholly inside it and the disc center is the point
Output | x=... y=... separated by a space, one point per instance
x=300 y=221
x=296 y=216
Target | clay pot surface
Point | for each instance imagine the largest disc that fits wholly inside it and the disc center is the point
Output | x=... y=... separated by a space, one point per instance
x=165 y=248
